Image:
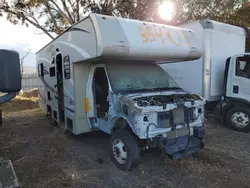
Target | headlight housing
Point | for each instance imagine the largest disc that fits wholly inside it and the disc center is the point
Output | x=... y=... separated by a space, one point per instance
x=194 y=113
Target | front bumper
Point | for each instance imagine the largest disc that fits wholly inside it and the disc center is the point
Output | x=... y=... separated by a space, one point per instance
x=161 y=131
x=181 y=146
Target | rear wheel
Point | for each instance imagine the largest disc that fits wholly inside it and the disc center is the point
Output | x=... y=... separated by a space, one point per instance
x=124 y=150
x=238 y=118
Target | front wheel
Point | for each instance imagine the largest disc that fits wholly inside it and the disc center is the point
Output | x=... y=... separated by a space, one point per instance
x=124 y=150
x=239 y=119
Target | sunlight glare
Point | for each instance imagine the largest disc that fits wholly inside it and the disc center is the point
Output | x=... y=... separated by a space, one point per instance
x=166 y=10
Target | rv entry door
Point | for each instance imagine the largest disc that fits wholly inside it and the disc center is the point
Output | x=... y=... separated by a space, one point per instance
x=59 y=88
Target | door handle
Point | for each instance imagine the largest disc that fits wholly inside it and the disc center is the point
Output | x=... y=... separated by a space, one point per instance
x=235 y=89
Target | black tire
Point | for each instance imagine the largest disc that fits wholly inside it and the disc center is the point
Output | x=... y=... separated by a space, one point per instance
x=235 y=110
x=132 y=149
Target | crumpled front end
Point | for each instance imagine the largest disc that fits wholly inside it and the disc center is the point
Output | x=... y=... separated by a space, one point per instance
x=178 y=146
x=175 y=123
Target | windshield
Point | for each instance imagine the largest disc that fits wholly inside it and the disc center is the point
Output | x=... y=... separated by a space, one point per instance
x=138 y=77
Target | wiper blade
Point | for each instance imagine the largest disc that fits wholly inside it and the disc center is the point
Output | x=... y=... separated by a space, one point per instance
x=168 y=88
x=135 y=90
x=151 y=89
x=141 y=90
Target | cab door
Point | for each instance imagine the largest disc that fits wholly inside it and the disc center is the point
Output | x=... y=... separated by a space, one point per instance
x=239 y=80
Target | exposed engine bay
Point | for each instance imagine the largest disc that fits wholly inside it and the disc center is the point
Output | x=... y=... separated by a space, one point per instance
x=160 y=100
x=172 y=121
x=168 y=111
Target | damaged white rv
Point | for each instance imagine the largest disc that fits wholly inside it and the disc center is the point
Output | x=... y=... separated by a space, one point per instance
x=102 y=74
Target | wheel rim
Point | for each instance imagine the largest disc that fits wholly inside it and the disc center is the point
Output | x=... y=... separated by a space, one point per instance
x=240 y=119
x=119 y=151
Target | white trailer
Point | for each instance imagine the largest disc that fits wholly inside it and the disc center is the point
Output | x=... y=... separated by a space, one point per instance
x=101 y=74
x=10 y=85
x=215 y=75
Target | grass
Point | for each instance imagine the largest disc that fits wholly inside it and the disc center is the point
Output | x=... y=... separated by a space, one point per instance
x=26 y=100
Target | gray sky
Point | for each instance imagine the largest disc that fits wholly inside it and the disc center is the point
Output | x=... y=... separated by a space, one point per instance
x=22 y=38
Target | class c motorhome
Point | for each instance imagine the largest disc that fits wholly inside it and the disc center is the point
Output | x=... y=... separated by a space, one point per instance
x=102 y=74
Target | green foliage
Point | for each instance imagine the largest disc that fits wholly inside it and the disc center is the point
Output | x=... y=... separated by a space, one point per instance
x=53 y=16
x=235 y=12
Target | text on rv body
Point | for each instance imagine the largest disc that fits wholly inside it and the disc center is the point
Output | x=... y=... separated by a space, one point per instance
x=150 y=34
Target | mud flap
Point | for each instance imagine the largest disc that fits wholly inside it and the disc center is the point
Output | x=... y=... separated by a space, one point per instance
x=8 y=177
x=183 y=146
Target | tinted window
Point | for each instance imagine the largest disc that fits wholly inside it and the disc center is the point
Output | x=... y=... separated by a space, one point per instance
x=66 y=67
x=243 y=67
x=52 y=71
x=40 y=70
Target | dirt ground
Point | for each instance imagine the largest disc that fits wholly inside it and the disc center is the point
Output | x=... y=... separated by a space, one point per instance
x=44 y=156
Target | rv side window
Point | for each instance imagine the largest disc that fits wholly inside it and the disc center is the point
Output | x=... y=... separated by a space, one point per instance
x=40 y=70
x=66 y=61
x=52 y=71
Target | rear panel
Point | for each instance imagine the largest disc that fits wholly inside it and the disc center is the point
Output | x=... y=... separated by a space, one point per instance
x=225 y=43
x=188 y=75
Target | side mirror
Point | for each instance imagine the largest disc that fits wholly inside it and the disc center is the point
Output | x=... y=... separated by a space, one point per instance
x=10 y=73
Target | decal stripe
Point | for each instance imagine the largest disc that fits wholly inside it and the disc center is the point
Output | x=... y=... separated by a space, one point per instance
x=73 y=111
x=77 y=29
x=40 y=95
x=45 y=71
x=80 y=50
x=47 y=85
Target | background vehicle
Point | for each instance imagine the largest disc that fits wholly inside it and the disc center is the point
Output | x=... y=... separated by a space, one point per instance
x=221 y=75
x=10 y=84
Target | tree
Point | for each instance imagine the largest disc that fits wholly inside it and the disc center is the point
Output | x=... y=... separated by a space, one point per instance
x=190 y=10
x=22 y=61
x=241 y=18
x=54 y=16
x=235 y=12
x=47 y=15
